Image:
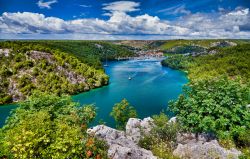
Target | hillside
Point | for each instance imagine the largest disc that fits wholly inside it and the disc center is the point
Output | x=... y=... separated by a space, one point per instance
x=202 y=43
x=89 y=52
x=60 y=67
x=230 y=61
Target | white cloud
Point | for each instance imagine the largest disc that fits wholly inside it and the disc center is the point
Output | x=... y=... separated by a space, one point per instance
x=121 y=6
x=181 y=9
x=85 y=6
x=121 y=25
x=47 y=4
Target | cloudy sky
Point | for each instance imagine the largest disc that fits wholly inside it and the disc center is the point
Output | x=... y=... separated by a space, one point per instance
x=138 y=19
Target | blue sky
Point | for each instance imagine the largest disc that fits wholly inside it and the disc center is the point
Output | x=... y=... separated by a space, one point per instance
x=108 y=19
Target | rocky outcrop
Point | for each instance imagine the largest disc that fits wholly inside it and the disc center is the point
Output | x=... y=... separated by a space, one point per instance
x=123 y=144
x=223 y=44
x=203 y=146
x=5 y=52
x=135 y=128
x=205 y=150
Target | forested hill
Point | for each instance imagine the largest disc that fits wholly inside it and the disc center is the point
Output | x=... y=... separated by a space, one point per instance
x=229 y=61
x=60 y=67
x=89 y=52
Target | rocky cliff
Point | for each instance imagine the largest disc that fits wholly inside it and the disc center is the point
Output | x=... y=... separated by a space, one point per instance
x=124 y=144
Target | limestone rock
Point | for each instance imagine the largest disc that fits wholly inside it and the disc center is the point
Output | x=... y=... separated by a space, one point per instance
x=205 y=150
x=120 y=147
x=136 y=127
x=172 y=120
x=185 y=138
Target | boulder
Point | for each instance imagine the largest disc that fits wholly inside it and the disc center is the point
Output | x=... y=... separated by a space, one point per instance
x=185 y=138
x=120 y=146
x=204 y=150
x=172 y=120
x=136 y=127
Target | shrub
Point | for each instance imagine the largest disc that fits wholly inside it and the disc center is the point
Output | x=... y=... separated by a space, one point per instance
x=215 y=106
x=47 y=126
x=162 y=138
x=121 y=112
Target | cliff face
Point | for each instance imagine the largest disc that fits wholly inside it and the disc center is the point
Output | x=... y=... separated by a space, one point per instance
x=124 y=144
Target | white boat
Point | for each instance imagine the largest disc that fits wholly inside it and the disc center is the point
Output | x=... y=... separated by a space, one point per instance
x=129 y=78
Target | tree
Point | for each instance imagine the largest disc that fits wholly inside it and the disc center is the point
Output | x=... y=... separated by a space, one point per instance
x=218 y=106
x=121 y=112
x=48 y=126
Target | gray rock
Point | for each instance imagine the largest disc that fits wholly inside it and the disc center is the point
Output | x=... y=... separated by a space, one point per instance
x=172 y=120
x=205 y=150
x=124 y=145
x=120 y=146
x=5 y=52
x=185 y=138
x=135 y=128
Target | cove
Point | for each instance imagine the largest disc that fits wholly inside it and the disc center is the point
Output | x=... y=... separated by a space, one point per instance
x=150 y=89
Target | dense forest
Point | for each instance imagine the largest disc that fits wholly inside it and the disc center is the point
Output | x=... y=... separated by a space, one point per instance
x=230 y=61
x=59 y=67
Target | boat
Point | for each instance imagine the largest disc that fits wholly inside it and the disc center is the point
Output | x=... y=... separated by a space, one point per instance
x=129 y=78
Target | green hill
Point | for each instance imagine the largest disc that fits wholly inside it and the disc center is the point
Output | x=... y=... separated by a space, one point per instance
x=60 y=67
x=230 y=61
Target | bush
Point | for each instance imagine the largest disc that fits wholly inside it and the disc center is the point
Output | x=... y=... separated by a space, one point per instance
x=214 y=106
x=162 y=138
x=47 y=126
x=121 y=112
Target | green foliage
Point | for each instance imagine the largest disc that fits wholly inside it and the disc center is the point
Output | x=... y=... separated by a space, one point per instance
x=164 y=130
x=245 y=153
x=162 y=138
x=218 y=106
x=186 y=49
x=201 y=43
x=48 y=126
x=177 y=62
x=231 y=61
x=52 y=67
x=121 y=112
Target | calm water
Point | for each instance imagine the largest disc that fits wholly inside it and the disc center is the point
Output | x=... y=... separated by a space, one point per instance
x=149 y=91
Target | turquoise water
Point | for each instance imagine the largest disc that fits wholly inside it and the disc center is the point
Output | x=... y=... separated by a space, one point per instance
x=149 y=90
x=5 y=111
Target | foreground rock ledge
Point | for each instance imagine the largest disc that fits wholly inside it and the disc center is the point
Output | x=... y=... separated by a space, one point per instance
x=124 y=144
x=203 y=149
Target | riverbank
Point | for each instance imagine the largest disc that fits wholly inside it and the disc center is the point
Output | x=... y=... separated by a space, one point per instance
x=149 y=91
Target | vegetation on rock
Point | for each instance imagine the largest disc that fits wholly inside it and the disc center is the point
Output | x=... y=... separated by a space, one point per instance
x=162 y=138
x=217 y=106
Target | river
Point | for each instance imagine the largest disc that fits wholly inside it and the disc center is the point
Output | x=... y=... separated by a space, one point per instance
x=149 y=90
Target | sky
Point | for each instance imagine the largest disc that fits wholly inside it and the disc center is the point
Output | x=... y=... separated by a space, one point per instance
x=124 y=20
